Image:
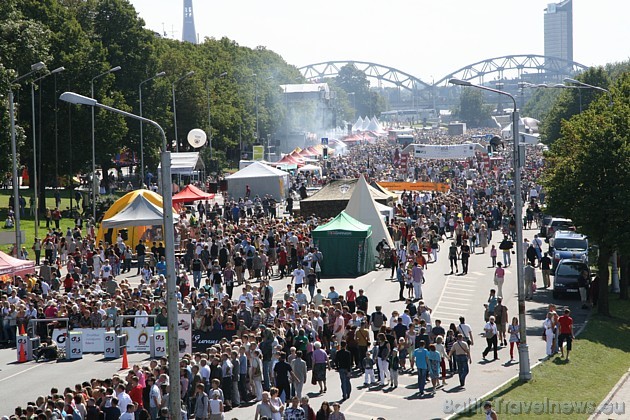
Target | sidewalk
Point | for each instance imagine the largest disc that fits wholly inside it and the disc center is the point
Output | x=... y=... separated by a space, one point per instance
x=616 y=405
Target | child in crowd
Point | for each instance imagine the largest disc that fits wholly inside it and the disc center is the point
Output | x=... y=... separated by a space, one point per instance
x=394 y=366
x=368 y=367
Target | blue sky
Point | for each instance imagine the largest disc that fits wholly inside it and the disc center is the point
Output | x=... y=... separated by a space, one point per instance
x=426 y=39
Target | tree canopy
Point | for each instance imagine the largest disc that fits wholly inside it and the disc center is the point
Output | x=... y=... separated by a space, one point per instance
x=89 y=37
x=587 y=175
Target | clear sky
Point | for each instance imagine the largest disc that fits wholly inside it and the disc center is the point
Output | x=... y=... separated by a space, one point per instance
x=426 y=39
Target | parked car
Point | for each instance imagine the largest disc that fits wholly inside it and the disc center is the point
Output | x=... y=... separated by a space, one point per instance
x=565 y=281
x=546 y=219
x=567 y=244
x=558 y=223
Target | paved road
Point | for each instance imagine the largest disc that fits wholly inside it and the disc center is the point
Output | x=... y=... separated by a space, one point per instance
x=450 y=296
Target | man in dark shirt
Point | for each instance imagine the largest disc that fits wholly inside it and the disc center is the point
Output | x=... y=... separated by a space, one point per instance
x=283 y=372
x=437 y=330
x=140 y=252
x=400 y=329
x=362 y=301
x=545 y=266
x=343 y=360
x=112 y=412
x=465 y=253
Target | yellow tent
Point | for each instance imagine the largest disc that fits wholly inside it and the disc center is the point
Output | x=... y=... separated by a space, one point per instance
x=134 y=233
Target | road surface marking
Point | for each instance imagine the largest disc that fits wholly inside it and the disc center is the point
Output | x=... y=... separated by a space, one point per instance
x=455 y=298
x=450 y=292
x=371 y=404
x=21 y=372
x=361 y=416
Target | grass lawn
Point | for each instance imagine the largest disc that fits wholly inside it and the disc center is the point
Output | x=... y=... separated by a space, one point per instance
x=27 y=223
x=600 y=356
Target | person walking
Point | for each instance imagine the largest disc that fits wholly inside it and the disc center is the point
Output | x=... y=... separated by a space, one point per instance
x=501 y=319
x=421 y=356
x=452 y=257
x=417 y=276
x=499 y=278
x=490 y=332
x=320 y=364
x=506 y=246
x=201 y=402
x=529 y=275
x=299 y=371
x=343 y=360
x=382 y=360
x=545 y=266
x=461 y=351
x=515 y=336
x=566 y=333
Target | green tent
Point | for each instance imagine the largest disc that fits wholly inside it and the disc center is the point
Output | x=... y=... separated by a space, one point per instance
x=347 y=247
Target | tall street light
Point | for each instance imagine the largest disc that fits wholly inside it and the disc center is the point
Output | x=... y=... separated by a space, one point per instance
x=586 y=85
x=16 y=182
x=525 y=373
x=94 y=187
x=160 y=74
x=209 y=113
x=556 y=86
x=169 y=235
x=255 y=76
x=190 y=73
x=35 y=190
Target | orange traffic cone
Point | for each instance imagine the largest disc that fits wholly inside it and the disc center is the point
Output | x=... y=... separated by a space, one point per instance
x=22 y=330
x=125 y=362
x=22 y=358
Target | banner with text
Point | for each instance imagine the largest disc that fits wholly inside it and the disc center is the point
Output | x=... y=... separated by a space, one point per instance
x=452 y=151
x=201 y=340
x=415 y=186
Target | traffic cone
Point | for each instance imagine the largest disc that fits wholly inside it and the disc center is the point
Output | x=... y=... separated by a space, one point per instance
x=125 y=362
x=22 y=358
x=22 y=330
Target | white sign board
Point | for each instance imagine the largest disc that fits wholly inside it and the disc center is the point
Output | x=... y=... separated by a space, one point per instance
x=109 y=344
x=75 y=346
x=184 y=331
x=22 y=345
x=159 y=343
x=138 y=339
x=452 y=151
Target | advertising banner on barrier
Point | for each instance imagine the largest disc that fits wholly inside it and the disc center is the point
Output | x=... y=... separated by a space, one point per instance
x=415 y=186
x=201 y=340
x=93 y=339
x=184 y=324
x=451 y=151
x=138 y=339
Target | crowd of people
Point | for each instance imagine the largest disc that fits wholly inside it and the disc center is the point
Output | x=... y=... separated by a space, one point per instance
x=282 y=339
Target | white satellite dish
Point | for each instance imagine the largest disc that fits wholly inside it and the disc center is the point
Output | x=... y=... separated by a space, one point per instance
x=197 y=137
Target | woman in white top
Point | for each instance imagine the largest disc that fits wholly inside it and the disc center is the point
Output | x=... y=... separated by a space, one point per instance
x=277 y=408
x=216 y=406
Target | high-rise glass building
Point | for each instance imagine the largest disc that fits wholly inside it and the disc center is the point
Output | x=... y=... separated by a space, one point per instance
x=559 y=30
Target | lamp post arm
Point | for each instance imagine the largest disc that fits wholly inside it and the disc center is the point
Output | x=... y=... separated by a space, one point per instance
x=137 y=117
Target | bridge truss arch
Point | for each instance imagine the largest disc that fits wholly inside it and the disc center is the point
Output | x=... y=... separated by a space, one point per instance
x=379 y=72
x=519 y=66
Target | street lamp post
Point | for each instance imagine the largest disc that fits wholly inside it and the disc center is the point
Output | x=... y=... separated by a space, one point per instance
x=35 y=181
x=587 y=86
x=190 y=73
x=169 y=235
x=16 y=182
x=113 y=69
x=255 y=76
x=160 y=74
x=209 y=109
x=525 y=373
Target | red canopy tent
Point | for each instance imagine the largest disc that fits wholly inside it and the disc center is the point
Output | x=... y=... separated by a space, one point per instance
x=10 y=266
x=291 y=160
x=191 y=193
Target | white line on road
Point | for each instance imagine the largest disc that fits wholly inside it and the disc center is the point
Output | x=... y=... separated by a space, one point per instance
x=21 y=372
x=361 y=416
x=455 y=298
x=450 y=292
x=371 y=404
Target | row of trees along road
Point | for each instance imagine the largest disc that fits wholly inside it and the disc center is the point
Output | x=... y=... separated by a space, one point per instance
x=88 y=37
x=586 y=174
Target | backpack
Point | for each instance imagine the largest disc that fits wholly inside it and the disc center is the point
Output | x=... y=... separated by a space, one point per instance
x=250 y=253
x=377 y=319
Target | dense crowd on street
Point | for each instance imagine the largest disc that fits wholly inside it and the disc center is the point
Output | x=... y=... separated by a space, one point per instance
x=244 y=268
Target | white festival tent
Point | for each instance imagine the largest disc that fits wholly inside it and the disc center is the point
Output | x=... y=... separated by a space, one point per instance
x=262 y=179
x=139 y=212
x=362 y=207
x=373 y=125
x=366 y=123
x=358 y=126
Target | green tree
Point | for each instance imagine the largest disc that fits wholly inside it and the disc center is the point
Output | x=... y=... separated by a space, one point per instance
x=587 y=176
x=471 y=109
x=571 y=101
x=366 y=102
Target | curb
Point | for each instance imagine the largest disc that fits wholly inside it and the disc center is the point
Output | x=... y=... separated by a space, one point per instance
x=485 y=396
x=607 y=400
